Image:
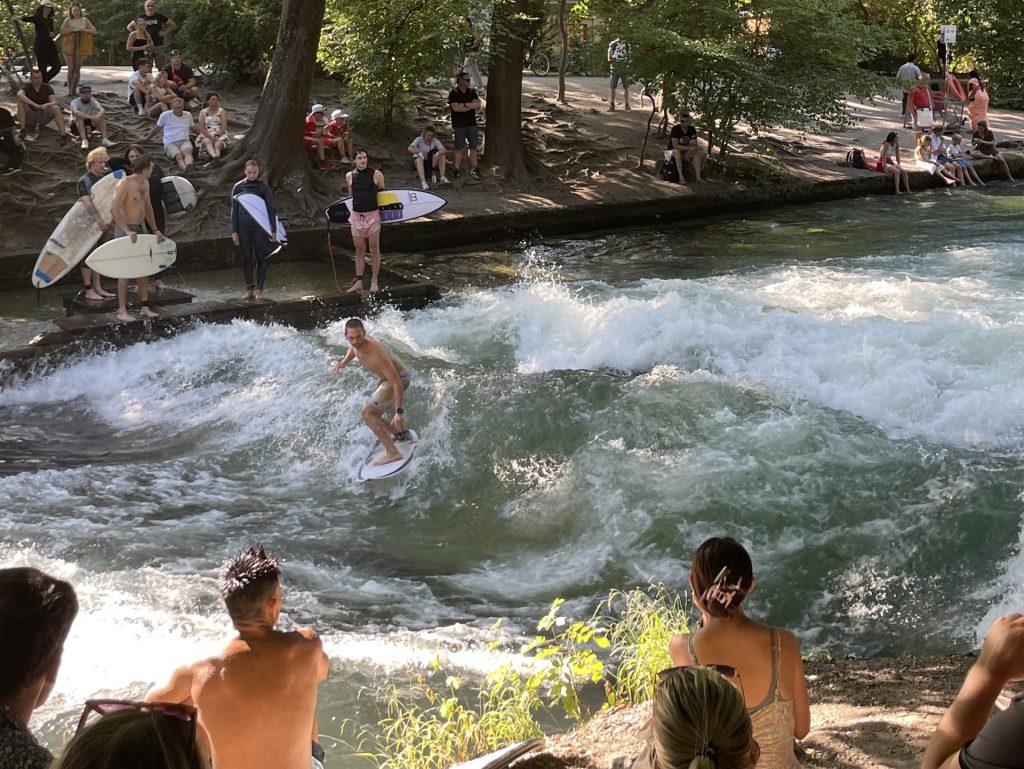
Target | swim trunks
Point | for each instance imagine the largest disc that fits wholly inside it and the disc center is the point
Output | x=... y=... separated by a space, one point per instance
x=364 y=223
x=382 y=396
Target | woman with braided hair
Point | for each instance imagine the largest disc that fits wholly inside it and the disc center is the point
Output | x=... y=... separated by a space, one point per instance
x=766 y=660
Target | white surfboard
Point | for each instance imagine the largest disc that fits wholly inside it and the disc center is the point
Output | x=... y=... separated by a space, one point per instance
x=501 y=758
x=372 y=472
x=398 y=205
x=120 y=258
x=77 y=233
x=257 y=209
x=178 y=194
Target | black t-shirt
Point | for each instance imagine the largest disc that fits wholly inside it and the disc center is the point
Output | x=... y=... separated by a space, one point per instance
x=6 y=120
x=155 y=25
x=364 y=191
x=86 y=182
x=463 y=119
x=1000 y=744
x=684 y=135
x=179 y=76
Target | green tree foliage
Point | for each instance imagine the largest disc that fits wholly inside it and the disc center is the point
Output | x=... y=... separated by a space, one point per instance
x=386 y=48
x=766 y=62
x=233 y=37
x=913 y=26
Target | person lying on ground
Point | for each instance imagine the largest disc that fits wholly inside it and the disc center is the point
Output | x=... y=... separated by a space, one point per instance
x=937 y=154
x=213 y=127
x=139 y=84
x=985 y=148
x=315 y=134
x=393 y=380
x=966 y=738
x=428 y=152
x=139 y=42
x=133 y=212
x=686 y=147
x=766 y=660
x=95 y=167
x=956 y=154
x=889 y=162
x=181 y=79
x=88 y=113
x=338 y=135
x=178 y=126
x=159 y=96
x=257 y=696
x=37 y=106
x=10 y=143
x=923 y=161
x=36 y=612
x=122 y=733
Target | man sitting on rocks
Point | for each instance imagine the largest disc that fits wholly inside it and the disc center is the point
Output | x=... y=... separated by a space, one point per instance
x=177 y=125
x=37 y=106
x=139 y=83
x=10 y=144
x=315 y=134
x=88 y=113
x=339 y=136
x=181 y=78
x=685 y=147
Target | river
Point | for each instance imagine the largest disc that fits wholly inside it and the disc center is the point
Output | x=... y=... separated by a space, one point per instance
x=840 y=386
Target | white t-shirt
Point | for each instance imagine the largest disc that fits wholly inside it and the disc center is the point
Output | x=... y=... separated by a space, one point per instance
x=134 y=78
x=421 y=146
x=909 y=71
x=176 y=129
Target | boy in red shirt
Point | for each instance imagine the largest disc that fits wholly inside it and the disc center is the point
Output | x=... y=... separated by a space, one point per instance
x=338 y=135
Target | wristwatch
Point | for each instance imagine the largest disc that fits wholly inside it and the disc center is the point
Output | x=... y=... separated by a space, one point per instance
x=399 y=410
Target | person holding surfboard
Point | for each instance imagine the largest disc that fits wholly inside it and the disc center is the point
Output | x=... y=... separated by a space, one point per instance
x=133 y=211
x=94 y=165
x=393 y=380
x=246 y=232
x=363 y=185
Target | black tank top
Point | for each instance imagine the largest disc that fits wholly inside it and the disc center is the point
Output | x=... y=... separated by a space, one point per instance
x=364 y=191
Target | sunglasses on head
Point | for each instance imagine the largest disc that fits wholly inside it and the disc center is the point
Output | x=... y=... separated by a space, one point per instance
x=185 y=713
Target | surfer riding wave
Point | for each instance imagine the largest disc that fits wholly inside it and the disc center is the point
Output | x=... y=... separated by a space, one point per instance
x=393 y=379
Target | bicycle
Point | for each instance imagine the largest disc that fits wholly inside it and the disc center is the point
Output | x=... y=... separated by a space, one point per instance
x=577 y=63
x=537 y=61
x=15 y=67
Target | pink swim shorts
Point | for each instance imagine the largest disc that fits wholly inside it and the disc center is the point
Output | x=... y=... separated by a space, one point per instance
x=364 y=224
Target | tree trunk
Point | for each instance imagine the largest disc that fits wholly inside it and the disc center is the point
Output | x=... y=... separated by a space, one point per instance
x=505 y=150
x=563 y=59
x=275 y=139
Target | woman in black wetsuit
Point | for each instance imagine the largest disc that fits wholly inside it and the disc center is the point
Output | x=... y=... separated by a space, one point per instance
x=44 y=47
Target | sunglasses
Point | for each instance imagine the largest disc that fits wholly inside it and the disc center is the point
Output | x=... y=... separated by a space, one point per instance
x=185 y=713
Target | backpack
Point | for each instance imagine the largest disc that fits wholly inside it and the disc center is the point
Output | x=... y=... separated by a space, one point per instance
x=855 y=159
x=669 y=172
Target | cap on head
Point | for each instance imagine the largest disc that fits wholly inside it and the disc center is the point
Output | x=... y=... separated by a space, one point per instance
x=85 y=88
x=338 y=114
x=316 y=108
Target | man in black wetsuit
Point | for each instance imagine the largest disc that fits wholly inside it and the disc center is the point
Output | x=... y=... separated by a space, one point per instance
x=363 y=185
x=247 y=234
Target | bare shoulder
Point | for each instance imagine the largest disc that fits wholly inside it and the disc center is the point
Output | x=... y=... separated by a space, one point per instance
x=678 y=649
x=789 y=643
x=308 y=634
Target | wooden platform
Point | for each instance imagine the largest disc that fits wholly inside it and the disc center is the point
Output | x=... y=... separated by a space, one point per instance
x=77 y=303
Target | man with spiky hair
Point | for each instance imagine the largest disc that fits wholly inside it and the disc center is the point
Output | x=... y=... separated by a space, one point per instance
x=257 y=697
x=36 y=612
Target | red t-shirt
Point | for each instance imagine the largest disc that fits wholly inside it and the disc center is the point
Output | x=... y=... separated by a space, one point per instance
x=920 y=98
x=334 y=128
x=311 y=125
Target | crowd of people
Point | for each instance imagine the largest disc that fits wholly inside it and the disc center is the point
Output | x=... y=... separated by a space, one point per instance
x=735 y=698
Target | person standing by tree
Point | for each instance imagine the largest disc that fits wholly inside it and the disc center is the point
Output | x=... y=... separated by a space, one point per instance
x=76 y=36
x=160 y=28
x=363 y=185
x=247 y=234
x=44 y=47
x=463 y=102
x=618 y=61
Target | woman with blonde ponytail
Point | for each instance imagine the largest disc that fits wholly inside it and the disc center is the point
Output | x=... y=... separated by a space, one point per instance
x=766 y=660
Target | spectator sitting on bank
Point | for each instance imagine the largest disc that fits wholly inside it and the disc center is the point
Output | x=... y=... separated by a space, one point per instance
x=938 y=154
x=428 y=152
x=139 y=83
x=314 y=135
x=339 y=136
x=159 y=96
x=686 y=147
x=213 y=127
x=767 y=659
x=463 y=102
x=36 y=612
x=985 y=148
x=181 y=78
x=88 y=113
x=37 y=106
x=924 y=162
x=155 y=735
x=139 y=42
x=956 y=154
x=178 y=126
x=889 y=162
x=966 y=738
x=10 y=144
x=159 y=27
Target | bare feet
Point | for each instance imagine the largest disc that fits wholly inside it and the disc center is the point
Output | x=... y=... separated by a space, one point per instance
x=247 y=296
x=357 y=284
x=388 y=459
x=124 y=316
x=374 y=288
x=92 y=296
x=105 y=294
x=146 y=312
x=259 y=295
x=159 y=285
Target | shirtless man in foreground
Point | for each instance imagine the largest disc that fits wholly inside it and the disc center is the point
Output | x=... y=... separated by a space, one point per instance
x=257 y=697
x=394 y=378
x=132 y=210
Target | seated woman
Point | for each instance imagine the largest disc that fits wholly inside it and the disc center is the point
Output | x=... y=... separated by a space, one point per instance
x=985 y=148
x=889 y=162
x=698 y=721
x=157 y=735
x=766 y=659
x=159 y=96
x=924 y=162
x=213 y=127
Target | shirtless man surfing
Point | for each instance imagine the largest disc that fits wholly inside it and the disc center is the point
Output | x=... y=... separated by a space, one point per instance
x=132 y=211
x=257 y=697
x=394 y=378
